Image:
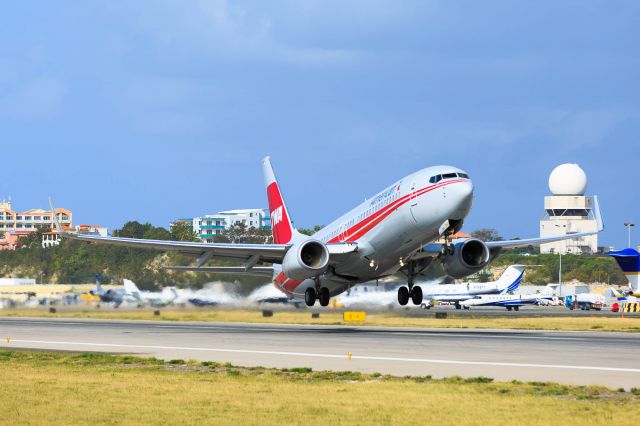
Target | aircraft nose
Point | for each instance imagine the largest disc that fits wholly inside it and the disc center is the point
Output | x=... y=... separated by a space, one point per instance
x=466 y=191
x=464 y=199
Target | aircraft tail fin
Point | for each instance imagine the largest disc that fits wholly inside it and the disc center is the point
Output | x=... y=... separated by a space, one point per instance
x=281 y=226
x=510 y=278
x=629 y=261
x=617 y=294
x=130 y=288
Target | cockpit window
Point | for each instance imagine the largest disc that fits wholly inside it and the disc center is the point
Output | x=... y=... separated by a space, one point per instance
x=435 y=179
x=463 y=175
x=449 y=175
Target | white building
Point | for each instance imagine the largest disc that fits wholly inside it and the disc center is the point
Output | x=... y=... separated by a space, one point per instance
x=52 y=238
x=568 y=211
x=17 y=281
x=208 y=226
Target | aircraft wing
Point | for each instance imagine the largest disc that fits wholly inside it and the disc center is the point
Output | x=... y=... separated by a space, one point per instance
x=260 y=271
x=249 y=254
x=535 y=241
x=272 y=253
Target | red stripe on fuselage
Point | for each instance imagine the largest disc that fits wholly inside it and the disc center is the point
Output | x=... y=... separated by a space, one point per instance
x=286 y=283
x=361 y=228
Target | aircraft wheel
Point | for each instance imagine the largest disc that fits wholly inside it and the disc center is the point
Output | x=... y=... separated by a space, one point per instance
x=516 y=308
x=416 y=295
x=324 y=296
x=403 y=295
x=458 y=306
x=310 y=296
x=508 y=308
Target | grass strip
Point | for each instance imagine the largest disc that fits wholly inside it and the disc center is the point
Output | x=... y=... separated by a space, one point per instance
x=81 y=388
x=391 y=319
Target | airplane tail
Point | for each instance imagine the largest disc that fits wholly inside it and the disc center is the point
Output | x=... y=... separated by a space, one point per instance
x=617 y=294
x=629 y=261
x=130 y=288
x=510 y=278
x=281 y=226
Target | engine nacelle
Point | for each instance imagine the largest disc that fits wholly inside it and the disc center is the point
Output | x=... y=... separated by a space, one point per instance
x=306 y=260
x=468 y=257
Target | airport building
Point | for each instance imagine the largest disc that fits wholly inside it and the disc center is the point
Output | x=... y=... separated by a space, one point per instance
x=568 y=211
x=208 y=226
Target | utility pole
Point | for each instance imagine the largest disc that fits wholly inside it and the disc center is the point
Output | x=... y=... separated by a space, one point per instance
x=629 y=226
x=560 y=271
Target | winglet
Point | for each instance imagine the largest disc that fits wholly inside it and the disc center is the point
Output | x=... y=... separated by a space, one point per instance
x=596 y=212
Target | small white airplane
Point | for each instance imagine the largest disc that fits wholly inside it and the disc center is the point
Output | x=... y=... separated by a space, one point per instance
x=167 y=296
x=381 y=294
x=509 y=301
x=629 y=298
x=394 y=230
x=456 y=293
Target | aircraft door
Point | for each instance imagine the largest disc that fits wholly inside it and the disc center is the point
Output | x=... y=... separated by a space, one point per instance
x=413 y=200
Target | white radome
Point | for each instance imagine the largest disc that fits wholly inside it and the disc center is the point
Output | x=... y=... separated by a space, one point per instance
x=568 y=179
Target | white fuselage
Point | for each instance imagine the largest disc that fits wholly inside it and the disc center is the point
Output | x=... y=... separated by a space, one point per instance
x=390 y=227
x=459 y=292
x=504 y=300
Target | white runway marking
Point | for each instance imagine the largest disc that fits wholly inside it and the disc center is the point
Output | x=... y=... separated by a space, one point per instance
x=319 y=355
x=484 y=336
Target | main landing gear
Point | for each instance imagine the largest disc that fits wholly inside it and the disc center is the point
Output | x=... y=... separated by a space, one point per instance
x=412 y=291
x=312 y=294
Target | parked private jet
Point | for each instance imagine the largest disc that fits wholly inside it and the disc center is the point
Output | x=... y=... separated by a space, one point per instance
x=167 y=296
x=509 y=301
x=393 y=231
x=456 y=293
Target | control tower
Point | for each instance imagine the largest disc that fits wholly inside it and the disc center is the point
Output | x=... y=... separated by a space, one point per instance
x=568 y=211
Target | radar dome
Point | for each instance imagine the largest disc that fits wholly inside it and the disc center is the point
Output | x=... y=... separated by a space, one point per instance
x=568 y=179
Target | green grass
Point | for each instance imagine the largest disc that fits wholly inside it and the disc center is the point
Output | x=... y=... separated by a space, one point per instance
x=519 y=321
x=67 y=388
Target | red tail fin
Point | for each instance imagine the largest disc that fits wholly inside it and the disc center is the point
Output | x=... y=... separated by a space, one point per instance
x=281 y=226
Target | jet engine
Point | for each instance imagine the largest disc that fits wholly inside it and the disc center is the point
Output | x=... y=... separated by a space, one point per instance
x=305 y=260
x=466 y=258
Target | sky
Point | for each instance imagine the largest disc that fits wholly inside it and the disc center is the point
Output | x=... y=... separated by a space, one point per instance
x=156 y=110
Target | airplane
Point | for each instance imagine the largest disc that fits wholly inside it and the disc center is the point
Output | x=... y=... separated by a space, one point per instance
x=456 y=293
x=629 y=261
x=393 y=231
x=203 y=301
x=155 y=299
x=629 y=298
x=451 y=293
x=509 y=301
x=107 y=296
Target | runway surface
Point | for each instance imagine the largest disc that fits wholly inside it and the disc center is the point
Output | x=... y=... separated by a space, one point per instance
x=610 y=359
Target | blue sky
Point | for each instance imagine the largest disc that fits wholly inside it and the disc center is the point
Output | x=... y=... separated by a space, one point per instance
x=163 y=109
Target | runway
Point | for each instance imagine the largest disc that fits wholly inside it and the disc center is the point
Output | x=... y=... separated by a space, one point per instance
x=609 y=359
